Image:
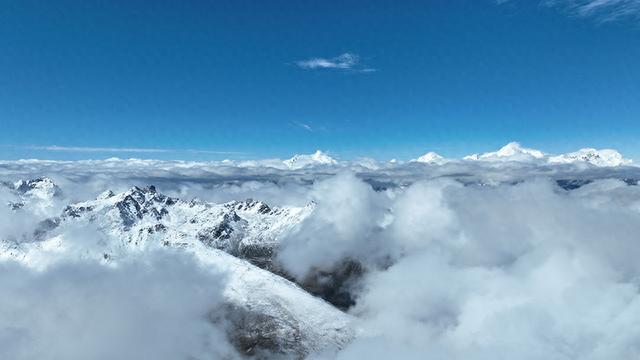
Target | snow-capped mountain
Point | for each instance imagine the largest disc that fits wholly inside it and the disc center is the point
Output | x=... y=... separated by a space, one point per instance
x=40 y=194
x=431 y=158
x=513 y=151
x=268 y=312
x=302 y=161
x=233 y=226
x=42 y=188
x=604 y=157
x=297 y=162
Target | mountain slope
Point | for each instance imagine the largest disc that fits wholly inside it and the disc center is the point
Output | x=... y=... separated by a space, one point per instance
x=144 y=217
x=267 y=312
x=40 y=194
x=513 y=151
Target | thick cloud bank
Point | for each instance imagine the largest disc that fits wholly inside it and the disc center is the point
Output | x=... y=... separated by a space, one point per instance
x=525 y=271
x=460 y=260
x=156 y=307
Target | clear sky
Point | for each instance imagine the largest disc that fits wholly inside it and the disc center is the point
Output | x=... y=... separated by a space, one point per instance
x=253 y=79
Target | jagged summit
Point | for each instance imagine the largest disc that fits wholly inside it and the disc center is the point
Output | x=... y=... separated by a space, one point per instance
x=512 y=151
x=604 y=157
x=42 y=187
x=144 y=217
x=41 y=195
x=317 y=158
x=267 y=312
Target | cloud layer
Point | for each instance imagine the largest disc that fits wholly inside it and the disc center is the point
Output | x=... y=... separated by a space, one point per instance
x=157 y=307
x=463 y=260
x=527 y=271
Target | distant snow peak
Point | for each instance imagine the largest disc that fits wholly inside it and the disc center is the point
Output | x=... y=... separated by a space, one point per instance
x=430 y=158
x=514 y=148
x=604 y=157
x=302 y=161
x=513 y=151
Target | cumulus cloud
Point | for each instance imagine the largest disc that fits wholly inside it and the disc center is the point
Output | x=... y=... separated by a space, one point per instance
x=333 y=232
x=155 y=307
x=527 y=271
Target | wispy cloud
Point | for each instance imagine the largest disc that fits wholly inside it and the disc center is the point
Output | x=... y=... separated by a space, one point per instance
x=97 y=149
x=309 y=126
x=602 y=10
x=196 y=151
x=304 y=126
x=346 y=61
x=89 y=149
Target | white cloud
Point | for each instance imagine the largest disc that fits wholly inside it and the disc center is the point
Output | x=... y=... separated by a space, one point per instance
x=466 y=260
x=89 y=149
x=524 y=271
x=603 y=10
x=346 y=61
x=98 y=149
x=158 y=306
x=304 y=126
x=332 y=233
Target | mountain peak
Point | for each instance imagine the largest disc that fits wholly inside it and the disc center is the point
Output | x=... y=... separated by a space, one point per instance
x=512 y=151
x=42 y=187
x=430 y=158
x=603 y=157
x=317 y=158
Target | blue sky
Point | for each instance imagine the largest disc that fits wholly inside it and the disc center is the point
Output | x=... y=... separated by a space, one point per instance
x=254 y=79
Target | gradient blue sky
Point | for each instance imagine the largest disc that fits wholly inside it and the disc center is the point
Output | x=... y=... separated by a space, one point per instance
x=225 y=78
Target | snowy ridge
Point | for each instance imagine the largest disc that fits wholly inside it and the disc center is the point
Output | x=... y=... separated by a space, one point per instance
x=41 y=188
x=296 y=162
x=40 y=194
x=269 y=311
x=144 y=217
x=604 y=157
x=513 y=151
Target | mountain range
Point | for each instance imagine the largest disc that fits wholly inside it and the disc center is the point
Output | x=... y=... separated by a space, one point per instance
x=515 y=152
x=268 y=312
x=511 y=152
